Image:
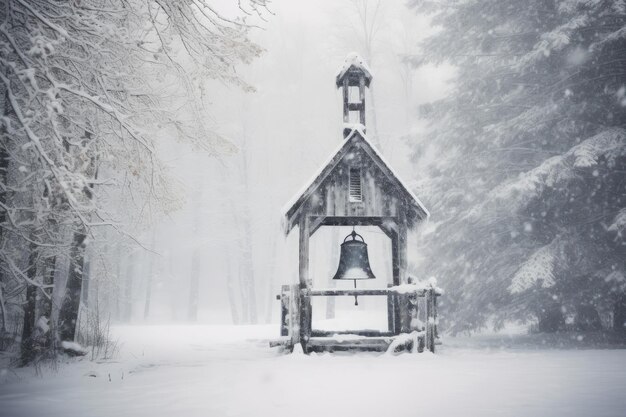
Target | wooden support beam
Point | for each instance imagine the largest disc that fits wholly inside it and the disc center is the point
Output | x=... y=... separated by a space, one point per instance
x=364 y=332
x=282 y=342
x=386 y=224
x=413 y=312
x=346 y=100
x=395 y=262
x=305 y=281
x=354 y=220
x=390 y=311
x=430 y=320
x=316 y=223
x=395 y=269
x=389 y=228
x=294 y=314
x=328 y=344
x=362 y=99
x=402 y=277
x=436 y=318
x=402 y=252
x=329 y=292
x=284 y=310
x=303 y=252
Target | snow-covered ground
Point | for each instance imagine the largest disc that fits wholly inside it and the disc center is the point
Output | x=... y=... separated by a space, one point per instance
x=214 y=371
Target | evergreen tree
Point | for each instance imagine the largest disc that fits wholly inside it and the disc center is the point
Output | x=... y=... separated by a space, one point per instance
x=528 y=188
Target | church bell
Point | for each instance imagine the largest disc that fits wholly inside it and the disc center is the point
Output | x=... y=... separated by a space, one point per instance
x=354 y=262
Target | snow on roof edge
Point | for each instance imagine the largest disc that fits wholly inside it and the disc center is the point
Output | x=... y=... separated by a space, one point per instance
x=293 y=200
x=353 y=59
x=395 y=174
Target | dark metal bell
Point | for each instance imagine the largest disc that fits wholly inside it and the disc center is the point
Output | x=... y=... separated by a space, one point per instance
x=353 y=260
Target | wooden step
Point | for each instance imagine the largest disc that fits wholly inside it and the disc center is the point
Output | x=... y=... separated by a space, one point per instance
x=349 y=343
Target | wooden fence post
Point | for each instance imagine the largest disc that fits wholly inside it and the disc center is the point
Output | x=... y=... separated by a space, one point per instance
x=306 y=312
x=430 y=320
x=294 y=314
x=412 y=302
x=435 y=317
x=390 y=311
x=284 y=310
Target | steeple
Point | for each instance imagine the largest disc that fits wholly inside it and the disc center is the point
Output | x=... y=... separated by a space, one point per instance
x=353 y=77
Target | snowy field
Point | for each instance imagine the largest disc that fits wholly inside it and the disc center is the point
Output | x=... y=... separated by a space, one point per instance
x=214 y=371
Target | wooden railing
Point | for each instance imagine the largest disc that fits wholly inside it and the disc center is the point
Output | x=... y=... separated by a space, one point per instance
x=403 y=313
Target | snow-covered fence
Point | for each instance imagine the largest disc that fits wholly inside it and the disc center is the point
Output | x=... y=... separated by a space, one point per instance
x=405 y=332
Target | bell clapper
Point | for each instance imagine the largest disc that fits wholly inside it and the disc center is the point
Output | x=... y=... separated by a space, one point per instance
x=356 y=300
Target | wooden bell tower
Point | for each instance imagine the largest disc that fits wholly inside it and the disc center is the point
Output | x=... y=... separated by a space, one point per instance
x=353 y=77
x=357 y=187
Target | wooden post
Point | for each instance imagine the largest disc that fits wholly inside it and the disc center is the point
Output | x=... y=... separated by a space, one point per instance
x=395 y=264
x=304 y=252
x=430 y=320
x=402 y=250
x=436 y=332
x=399 y=250
x=390 y=311
x=284 y=310
x=402 y=263
x=362 y=99
x=305 y=282
x=413 y=310
x=413 y=318
x=294 y=314
x=395 y=267
x=346 y=101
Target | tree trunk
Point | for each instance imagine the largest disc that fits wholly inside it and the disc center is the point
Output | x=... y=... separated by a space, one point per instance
x=234 y=312
x=243 y=293
x=44 y=303
x=271 y=281
x=4 y=169
x=27 y=347
x=118 y=284
x=68 y=316
x=587 y=318
x=246 y=268
x=619 y=313
x=146 y=307
x=196 y=256
x=70 y=307
x=85 y=278
x=194 y=285
x=60 y=277
x=128 y=289
x=551 y=319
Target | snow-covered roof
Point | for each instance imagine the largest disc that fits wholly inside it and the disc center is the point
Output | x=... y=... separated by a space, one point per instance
x=290 y=209
x=355 y=63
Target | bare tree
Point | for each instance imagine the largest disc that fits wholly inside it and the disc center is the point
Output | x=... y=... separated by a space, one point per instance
x=78 y=87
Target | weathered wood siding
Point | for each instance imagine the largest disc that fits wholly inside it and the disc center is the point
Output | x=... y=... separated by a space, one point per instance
x=380 y=197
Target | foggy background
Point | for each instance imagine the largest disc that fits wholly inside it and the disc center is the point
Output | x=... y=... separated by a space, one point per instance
x=284 y=132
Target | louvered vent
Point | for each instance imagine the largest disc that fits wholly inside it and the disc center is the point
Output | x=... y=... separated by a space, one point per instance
x=356 y=194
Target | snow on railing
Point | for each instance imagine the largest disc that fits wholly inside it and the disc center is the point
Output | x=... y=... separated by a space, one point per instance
x=418 y=288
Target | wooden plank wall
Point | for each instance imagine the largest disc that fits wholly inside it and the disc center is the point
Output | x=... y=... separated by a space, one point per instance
x=380 y=196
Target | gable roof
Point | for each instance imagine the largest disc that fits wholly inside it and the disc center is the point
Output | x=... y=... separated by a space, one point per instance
x=353 y=67
x=292 y=208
